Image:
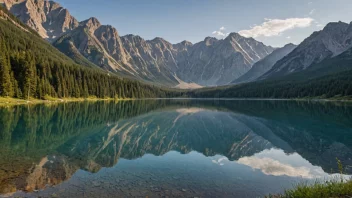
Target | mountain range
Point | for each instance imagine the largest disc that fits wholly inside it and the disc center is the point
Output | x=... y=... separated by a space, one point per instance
x=333 y=40
x=210 y=63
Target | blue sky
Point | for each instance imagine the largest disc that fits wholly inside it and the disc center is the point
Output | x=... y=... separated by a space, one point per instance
x=274 y=22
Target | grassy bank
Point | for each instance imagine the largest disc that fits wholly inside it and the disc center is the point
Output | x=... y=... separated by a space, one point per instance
x=338 y=187
x=328 y=189
x=5 y=101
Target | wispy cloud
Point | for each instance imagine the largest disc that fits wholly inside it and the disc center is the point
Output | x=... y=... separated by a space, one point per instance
x=274 y=27
x=221 y=33
x=312 y=12
x=219 y=161
x=319 y=25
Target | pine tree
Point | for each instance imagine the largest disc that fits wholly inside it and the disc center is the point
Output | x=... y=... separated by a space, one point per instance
x=29 y=85
x=17 y=91
x=6 y=86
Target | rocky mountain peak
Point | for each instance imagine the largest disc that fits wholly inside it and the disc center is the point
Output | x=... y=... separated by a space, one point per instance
x=160 y=42
x=234 y=35
x=332 y=26
x=132 y=37
x=158 y=39
x=186 y=43
x=289 y=45
x=335 y=30
x=48 y=18
x=334 y=39
x=335 y=36
x=210 y=41
x=92 y=24
x=251 y=49
x=239 y=38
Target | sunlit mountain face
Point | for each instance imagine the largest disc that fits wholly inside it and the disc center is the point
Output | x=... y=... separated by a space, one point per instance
x=171 y=147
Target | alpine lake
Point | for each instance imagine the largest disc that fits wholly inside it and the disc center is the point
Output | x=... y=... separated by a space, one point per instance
x=172 y=147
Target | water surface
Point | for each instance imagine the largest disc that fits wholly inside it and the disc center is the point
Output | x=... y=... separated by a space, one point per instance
x=184 y=148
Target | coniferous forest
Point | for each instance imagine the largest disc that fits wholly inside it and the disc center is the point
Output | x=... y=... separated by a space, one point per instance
x=31 y=68
x=337 y=85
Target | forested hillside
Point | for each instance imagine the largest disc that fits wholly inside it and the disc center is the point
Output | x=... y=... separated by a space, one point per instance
x=328 y=86
x=31 y=68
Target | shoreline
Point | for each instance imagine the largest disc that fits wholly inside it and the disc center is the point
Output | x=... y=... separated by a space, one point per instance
x=260 y=99
x=4 y=101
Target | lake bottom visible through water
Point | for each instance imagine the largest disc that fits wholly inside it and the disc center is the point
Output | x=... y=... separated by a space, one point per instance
x=171 y=148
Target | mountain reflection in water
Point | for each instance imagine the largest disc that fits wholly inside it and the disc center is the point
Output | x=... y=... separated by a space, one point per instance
x=171 y=147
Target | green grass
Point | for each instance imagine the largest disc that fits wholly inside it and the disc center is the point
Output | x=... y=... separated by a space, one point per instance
x=328 y=189
x=338 y=187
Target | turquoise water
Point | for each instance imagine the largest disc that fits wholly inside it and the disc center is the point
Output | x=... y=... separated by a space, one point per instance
x=168 y=148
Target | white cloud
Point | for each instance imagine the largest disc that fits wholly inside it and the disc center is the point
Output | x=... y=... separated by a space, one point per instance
x=221 y=33
x=309 y=3
x=312 y=12
x=278 y=163
x=274 y=27
x=289 y=37
x=219 y=161
x=273 y=167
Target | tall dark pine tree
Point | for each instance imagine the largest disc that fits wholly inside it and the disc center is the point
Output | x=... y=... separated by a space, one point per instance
x=6 y=87
x=29 y=81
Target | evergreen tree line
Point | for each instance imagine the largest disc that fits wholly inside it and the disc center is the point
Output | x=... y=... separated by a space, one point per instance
x=31 y=68
x=332 y=85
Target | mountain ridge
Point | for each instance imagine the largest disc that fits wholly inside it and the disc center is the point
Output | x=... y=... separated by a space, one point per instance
x=211 y=62
x=264 y=65
x=48 y=18
x=334 y=39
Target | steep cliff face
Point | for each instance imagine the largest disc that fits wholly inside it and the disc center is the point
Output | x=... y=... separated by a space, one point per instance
x=264 y=65
x=217 y=62
x=333 y=40
x=154 y=59
x=208 y=63
x=98 y=43
x=48 y=18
